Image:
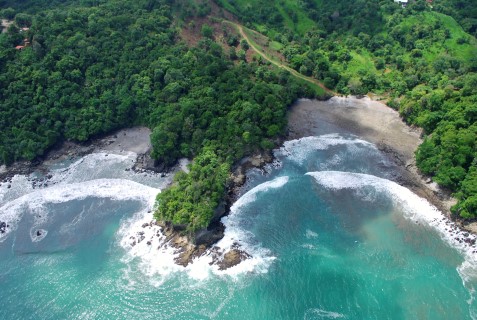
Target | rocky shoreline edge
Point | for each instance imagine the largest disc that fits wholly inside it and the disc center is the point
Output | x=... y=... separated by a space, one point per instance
x=204 y=241
x=410 y=177
x=374 y=121
x=187 y=249
x=136 y=140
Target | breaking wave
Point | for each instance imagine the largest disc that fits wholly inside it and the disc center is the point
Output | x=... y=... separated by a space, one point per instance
x=156 y=258
x=300 y=149
x=35 y=203
x=414 y=208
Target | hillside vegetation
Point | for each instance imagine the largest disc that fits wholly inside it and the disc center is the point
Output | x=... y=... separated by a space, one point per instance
x=91 y=68
x=419 y=58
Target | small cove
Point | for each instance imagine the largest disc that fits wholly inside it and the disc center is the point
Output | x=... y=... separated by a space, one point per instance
x=330 y=236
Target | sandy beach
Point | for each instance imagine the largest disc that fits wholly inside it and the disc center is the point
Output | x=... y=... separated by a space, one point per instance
x=376 y=123
x=127 y=140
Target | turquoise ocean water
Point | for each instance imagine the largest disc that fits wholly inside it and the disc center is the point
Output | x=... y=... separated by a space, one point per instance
x=331 y=237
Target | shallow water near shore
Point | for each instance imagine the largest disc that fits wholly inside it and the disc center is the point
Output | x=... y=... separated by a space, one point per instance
x=330 y=234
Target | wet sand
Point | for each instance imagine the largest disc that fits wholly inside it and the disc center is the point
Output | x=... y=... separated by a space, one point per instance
x=377 y=123
x=369 y=119
x=134 y=139
x=127 y=140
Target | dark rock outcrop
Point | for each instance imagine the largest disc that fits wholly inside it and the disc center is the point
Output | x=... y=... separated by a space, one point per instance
x=3 y=226
x=144 y=162
x=209 y=236
x=232 y=258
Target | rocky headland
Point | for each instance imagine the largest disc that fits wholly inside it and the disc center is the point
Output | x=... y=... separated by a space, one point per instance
x=137 y=140
x=187 y=247
x=363 y=117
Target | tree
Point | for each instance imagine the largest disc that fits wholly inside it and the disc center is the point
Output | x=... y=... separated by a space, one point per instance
x=241 y=55
x=355 y=86
x=23 y=20
x=207 y=31
x=244 y=44
x=8 y=13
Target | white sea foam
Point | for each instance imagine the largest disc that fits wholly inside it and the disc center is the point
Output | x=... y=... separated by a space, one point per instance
x=335 y=161
x=261 y=257
x=38 y=235
x=90 y=167
x=35 y=202
x=251 y=195
x=18 y=186
x=156 y=258
x=275 y=164
x=298 y=150
x=145 y=244
x=316 y=313
x=311 y=234
x=100 y=166
x=88 y=176
x=414 y=208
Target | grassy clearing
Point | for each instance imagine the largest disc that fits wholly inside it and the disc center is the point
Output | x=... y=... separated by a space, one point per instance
x=294 y=16
x=263 y=44
x=303 y=23
x=319 y=91
x=361 y=62
x=463 y=51
x=274 y=45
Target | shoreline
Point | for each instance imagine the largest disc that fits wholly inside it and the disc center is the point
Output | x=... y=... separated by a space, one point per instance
x=137 y=140
x=377 y=123
x=123 y=141
x=205 y=240
x=369 y=119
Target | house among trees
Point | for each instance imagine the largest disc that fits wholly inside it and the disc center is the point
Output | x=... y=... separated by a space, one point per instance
x=26 y=43
x=402 y=2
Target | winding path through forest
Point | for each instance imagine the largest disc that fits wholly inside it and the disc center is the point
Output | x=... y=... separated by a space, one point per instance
x=278 y=64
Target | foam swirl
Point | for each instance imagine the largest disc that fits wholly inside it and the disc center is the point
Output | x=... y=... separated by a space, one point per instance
x=35 y=202
x=300 y=149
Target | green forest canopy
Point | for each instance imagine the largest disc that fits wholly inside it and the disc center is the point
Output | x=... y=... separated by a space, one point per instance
x=96 y=66
x=423 y=58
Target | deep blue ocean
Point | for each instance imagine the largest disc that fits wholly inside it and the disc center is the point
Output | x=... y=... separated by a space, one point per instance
x=330 y=234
